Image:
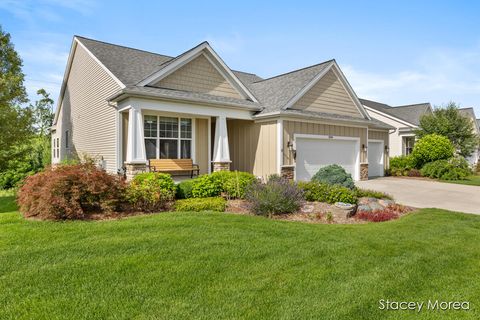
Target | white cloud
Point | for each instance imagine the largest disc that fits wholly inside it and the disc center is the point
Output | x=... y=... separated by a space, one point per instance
x=438 y=76
x=30 y=10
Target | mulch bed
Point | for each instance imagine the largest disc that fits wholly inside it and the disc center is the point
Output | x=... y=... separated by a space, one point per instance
x=311 y=212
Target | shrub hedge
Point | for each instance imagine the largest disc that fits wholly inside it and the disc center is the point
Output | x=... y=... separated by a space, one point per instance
x=70 y=192
x=334 y=175
x=202 y=204
x=232 y=184
x=401 y=165
x=184 y=189
x=456 y=168
x=151 y=191
x=322 y=192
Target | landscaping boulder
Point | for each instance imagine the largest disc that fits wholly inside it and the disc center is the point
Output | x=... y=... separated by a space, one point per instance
x=386 y=202
x=364 y=207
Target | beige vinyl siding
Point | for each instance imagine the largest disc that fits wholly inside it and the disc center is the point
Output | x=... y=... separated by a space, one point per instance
x=253 y=146
x=292 y=127
x=384 y=136
x=85 y=113
x=201 y=144
x=199 y=75
x=328 y=95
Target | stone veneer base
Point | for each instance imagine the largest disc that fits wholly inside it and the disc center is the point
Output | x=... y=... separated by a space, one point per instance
x=221 y=166
x=364 y=171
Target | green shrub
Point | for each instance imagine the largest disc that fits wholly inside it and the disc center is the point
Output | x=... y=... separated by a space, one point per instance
x=203 y=204
x=372 y=194
x=401 y=165
x=232 y=183
x=322 y=192
x=236 y=184
x=277 y=196
x=431 y=148
x=184 y=189
x=456 y=168
x=207 y=185
x=334 y=174
x=151 y=191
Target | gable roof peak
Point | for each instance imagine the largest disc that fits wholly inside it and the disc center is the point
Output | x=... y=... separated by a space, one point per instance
x=297 y=70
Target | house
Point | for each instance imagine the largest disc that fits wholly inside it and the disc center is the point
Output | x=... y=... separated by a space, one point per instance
x=470 y=113
x=125 y=106
x=405 y=119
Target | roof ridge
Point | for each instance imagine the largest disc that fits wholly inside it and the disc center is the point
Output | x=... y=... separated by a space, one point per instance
x=411 y=105
x=122 y=46
x=296 y=70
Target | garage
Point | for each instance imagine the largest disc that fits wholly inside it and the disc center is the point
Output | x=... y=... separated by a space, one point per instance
x=314 y=152
x=375 y=158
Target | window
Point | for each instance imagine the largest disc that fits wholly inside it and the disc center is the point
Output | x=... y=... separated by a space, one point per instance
x=66 y=139
x=56 y=147
x=167 y=137
x=408 y=143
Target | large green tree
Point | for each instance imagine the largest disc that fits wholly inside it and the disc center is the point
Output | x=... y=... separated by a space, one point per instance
x=449 y=122
x=15 y=120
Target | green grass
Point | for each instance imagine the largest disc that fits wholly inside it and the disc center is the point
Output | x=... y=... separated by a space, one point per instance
x=470 y=181
x=226 y=266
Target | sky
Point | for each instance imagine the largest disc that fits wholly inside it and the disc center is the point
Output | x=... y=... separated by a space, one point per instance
x=395 y=52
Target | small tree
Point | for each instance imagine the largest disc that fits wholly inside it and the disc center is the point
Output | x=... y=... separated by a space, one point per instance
x=449 y=122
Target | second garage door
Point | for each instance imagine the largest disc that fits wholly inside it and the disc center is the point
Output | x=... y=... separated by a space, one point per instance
x=314 y=153
x=375 y=158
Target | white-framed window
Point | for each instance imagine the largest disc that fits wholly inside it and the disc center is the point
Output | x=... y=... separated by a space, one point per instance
x=168 y=137
x=409 y=142
x=66 y=139
x=56 y=148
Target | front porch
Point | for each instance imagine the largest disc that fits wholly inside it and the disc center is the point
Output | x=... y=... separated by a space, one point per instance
x=155 y=129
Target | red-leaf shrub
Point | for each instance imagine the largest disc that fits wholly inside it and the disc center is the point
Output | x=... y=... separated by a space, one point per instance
x=388 y=213
x=70 y=192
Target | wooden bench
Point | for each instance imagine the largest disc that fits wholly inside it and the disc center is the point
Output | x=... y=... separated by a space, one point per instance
x=173 y=165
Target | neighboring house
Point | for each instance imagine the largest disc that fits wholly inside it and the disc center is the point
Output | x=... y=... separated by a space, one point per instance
x=405 y=119
x=125 y=106
x=470 y=113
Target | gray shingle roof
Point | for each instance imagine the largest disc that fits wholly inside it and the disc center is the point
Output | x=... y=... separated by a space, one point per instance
x=274 y=93
x=131 y=66
x=127 y=64
x=186 y=95
x=373 y=123
x=409 y=113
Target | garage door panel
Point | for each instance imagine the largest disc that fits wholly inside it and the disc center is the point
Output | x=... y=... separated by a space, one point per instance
x=375 y=159
x=313 y=154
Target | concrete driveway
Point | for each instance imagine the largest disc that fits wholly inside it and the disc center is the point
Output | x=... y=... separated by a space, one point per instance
x=428 y=194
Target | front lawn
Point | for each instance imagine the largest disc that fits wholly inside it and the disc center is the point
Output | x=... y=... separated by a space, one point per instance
x=226 y=266
x=471 y=181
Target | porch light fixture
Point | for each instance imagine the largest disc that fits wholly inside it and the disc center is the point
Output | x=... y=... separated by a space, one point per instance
x=387 y=149
x=291 y=149
x=364 y=148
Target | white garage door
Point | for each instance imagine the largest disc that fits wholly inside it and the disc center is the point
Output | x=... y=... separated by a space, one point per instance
x=315 y=153
x=375 y=159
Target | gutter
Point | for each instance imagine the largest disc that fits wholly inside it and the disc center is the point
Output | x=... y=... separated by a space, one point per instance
x=126 y=93
x=365 y=122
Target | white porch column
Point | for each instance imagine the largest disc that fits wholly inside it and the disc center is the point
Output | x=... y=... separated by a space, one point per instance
x=221 y=152
x=136 y=159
